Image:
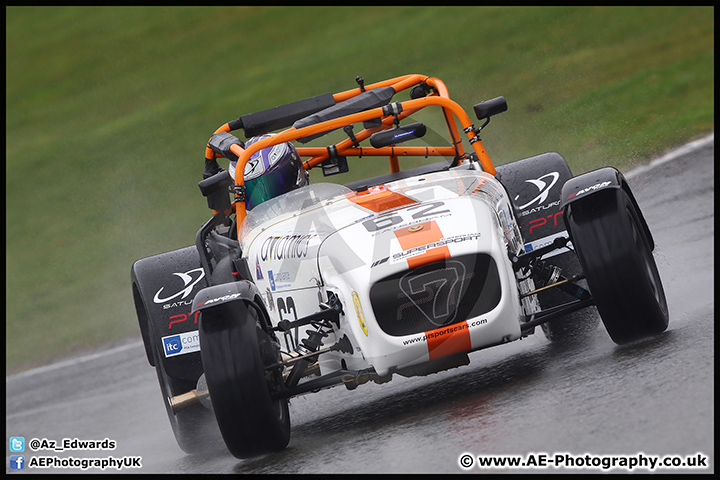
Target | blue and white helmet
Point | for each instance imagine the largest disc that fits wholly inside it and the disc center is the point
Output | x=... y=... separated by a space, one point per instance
x=271 y=172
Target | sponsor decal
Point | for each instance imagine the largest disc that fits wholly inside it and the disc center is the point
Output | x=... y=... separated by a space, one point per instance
x=224 y=298
x=189 y=278
x=415 y=241
x=544 y=187
x=359 y=313
x=181 y=344
x=544 y=242
x=258 y=270
x=440 y=243
x=285 y=247
x=403 y=134
x=183 y=317
x=447 y=340
x=379 y=262
x=415 y=228
x=597 y=186
x=182 y=303
x=543 y=221
x=279 y=279
x=531 y=211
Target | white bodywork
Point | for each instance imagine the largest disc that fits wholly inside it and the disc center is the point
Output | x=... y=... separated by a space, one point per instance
x=327 y=238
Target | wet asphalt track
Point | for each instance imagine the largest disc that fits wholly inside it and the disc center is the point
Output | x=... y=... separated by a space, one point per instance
x=654 y=397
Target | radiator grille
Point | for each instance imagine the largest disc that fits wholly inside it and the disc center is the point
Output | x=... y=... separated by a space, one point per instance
x=436 y=294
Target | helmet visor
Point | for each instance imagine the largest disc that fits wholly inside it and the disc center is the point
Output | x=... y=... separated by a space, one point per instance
x=271 y=184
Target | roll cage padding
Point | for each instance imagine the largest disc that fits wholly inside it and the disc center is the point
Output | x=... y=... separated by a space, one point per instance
x=282 y=116
x=365 y=101
x=220 y=143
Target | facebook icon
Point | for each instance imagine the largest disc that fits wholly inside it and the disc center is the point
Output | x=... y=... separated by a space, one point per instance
x=17 y=462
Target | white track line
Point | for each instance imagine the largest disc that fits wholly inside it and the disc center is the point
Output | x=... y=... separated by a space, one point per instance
x=668 y=157
x=74 y=361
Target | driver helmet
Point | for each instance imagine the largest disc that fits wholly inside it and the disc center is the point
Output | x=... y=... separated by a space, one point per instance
x=271 y=172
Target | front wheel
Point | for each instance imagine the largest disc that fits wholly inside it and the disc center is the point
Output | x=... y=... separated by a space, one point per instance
x=617 y=259
x=235 y=350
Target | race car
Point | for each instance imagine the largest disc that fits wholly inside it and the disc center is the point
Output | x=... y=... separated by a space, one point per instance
x=404 y=273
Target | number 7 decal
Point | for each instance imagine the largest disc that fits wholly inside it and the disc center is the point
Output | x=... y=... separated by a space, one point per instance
x=435 y=292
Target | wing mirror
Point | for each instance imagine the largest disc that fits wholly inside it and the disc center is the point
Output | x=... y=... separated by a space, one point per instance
x=489 y=108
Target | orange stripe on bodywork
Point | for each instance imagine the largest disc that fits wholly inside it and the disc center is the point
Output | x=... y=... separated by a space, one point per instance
x=379 y=199
x=448 y=340
x=445 y=340
x=419 y=235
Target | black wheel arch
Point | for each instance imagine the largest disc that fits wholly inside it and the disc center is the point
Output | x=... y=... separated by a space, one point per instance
x=586 y=184
x=155 y=277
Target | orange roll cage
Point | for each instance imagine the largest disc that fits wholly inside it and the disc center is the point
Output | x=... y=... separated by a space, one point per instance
x=438 y=96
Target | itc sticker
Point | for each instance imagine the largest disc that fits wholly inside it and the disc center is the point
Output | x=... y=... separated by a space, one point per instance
x=181 y=344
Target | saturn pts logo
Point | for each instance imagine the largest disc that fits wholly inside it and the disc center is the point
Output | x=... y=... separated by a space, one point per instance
x=188 y=283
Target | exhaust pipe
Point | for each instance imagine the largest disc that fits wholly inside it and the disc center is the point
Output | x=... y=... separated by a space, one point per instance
x=352 y=381
x=200 y=394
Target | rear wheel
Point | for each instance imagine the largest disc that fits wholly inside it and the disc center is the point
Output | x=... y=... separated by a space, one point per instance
x=617 y=259
x=235 y=350
x=195 y=428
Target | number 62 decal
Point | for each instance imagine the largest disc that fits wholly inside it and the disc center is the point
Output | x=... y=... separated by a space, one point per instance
x=415 y=212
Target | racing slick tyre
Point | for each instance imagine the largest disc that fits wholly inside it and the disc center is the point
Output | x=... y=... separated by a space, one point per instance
x=235 y=350
x=617 y=259
x=195 y=428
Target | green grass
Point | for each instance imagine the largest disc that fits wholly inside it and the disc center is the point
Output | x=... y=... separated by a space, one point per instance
x=108 y=111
